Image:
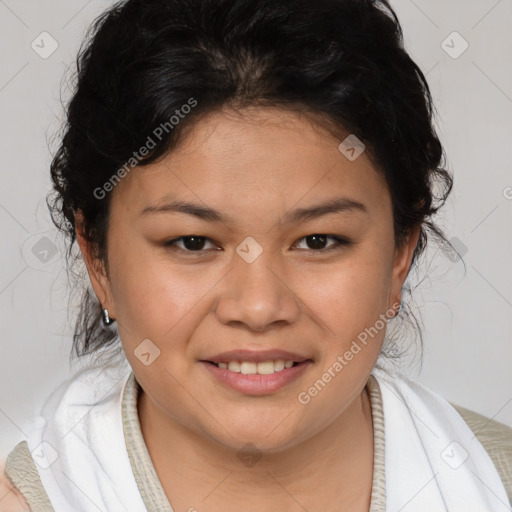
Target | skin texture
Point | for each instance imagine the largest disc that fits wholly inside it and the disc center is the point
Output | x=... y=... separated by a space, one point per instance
x=254 y=167
x=11 y=500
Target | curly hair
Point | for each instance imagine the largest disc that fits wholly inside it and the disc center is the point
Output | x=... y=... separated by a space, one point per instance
x=340 y=61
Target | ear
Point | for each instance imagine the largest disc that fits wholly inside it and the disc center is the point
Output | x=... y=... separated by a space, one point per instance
x=95 y=267
x=401 y=265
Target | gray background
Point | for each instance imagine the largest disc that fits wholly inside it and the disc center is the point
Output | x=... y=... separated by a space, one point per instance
x=467 y=315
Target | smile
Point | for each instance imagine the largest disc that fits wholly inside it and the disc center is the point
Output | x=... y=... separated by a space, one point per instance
x=253 y=378
x=251 y=368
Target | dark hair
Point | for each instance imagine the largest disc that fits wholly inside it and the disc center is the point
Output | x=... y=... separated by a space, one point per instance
x=341 y=62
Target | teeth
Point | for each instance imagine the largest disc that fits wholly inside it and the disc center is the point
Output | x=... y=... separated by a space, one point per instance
x=252 y=368
x=248 y=368
x=234 y=366
x=279 y=365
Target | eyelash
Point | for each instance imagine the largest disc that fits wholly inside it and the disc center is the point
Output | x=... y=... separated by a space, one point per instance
x=340 y=243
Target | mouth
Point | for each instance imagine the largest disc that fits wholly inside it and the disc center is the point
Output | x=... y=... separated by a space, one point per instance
x=263 y=376
x=256 y=368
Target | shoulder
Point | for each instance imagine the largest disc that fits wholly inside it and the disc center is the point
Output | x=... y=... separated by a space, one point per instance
x=496 y=438
x=20 y=479
x=19 y=475
x=12 y=500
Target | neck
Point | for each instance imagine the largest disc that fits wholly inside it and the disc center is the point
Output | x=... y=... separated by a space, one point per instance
x=337 y=463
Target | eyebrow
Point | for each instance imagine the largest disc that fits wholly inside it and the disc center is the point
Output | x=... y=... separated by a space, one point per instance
x=338 y=205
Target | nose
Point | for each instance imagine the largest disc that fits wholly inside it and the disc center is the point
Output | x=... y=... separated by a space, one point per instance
x=257 y=295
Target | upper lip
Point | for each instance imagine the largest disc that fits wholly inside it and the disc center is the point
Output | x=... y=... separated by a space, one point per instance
x=256 y=356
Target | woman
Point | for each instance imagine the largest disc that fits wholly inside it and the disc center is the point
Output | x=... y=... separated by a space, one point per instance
x=249 y=184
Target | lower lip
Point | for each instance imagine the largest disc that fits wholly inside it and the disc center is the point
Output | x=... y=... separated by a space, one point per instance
x=257 y=384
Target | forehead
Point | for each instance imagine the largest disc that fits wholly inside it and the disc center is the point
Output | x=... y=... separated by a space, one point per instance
x=264 y=156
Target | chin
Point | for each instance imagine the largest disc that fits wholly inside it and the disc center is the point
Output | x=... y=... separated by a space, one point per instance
x=254 y=437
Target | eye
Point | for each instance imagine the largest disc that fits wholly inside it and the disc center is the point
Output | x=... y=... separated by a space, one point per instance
x=192 y=243
x=318 y=242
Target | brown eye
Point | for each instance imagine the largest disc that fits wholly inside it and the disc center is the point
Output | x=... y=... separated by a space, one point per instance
x=192 y=243
x=317 y=242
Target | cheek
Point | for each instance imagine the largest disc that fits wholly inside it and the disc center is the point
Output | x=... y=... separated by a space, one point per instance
x=156 y=299
x=349 y=296
x=350 y=303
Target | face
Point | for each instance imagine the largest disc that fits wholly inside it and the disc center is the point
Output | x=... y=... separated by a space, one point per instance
x=258 y=264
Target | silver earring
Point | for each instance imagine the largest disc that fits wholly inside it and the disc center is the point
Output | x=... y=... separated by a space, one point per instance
x=106 y=318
